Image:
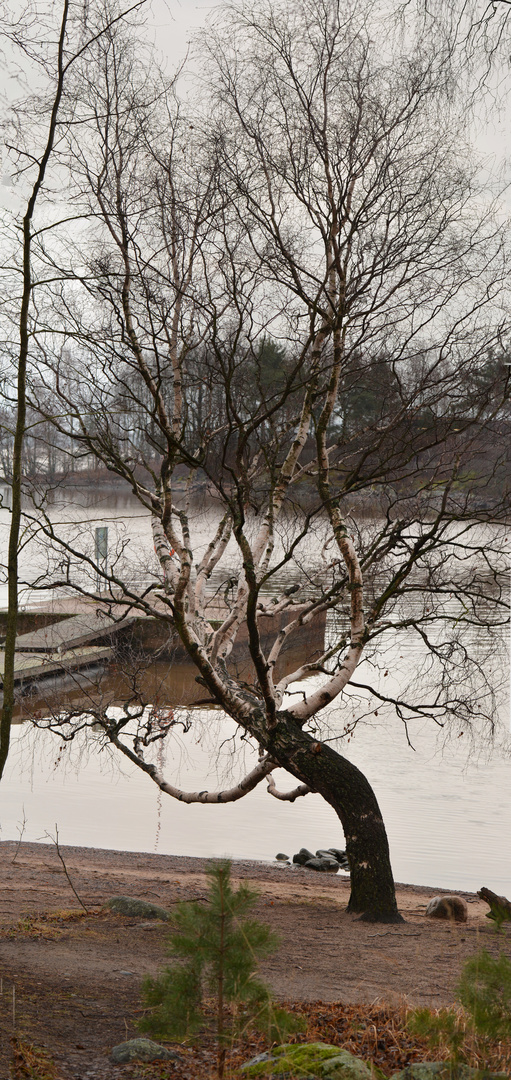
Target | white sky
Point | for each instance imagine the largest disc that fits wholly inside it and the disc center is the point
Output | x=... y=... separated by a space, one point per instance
x=171 y=24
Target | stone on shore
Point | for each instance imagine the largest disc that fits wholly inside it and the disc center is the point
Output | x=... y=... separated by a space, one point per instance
x=280 y=857
x=128 y=905
x=323 y=865
x=302 y=856
x=337 y=854
x=142 y=1050
x=341 y=857
x=447 y=907
x=325 y=859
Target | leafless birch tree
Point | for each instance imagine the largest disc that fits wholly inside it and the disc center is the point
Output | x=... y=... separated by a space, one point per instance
x=317 y=204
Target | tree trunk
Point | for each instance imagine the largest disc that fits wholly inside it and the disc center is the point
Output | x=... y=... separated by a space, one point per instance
x=19 y=434
x=346 y=789
x=500 y=908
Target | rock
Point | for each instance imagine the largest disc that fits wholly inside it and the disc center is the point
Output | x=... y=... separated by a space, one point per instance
x=302 y=856
x=345 y=1066
x=426 y=1070
x=142 y=1050
x=447 y=907
x=257 y=1061
x=341 y=856
x=281 y=857
x=313 y=1060
x=334 y=853
x=328 y=865
x=127 y=905
x=440 y=1070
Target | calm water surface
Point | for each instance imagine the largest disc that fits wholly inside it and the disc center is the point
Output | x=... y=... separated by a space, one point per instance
x=448 y=813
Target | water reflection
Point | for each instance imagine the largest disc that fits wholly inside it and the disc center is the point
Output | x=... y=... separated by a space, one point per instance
x=449 y=822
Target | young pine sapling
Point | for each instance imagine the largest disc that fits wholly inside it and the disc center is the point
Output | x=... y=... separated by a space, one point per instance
x=218 y=948
x=484 y=991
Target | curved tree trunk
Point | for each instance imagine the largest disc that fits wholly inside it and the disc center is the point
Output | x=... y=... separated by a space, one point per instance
x=346 y=789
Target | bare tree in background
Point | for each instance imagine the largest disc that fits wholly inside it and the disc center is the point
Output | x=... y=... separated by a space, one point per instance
x=50 y=48
x=292 y=306
x=473 y=38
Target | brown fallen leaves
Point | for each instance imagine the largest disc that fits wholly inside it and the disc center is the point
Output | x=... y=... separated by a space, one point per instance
x=377 y=1033
x=31 y=1062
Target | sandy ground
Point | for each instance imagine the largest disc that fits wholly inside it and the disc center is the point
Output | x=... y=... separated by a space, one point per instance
x=90 y=968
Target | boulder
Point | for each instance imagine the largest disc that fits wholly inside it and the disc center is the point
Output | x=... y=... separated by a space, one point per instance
x=341 y=856
x=328 y=865
x=441 y=1070
x=346 y=1066
x=447 y=907
x=280 y=857
x=259 y=1059
x=313 y=1060
x=142 y=1050
x=127 y=905
x=337 y=853
x=302 y=856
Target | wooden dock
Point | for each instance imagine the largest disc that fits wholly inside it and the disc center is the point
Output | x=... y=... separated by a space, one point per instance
x=83 y=653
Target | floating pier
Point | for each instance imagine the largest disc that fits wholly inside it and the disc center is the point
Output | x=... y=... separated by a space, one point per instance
x=85 y=652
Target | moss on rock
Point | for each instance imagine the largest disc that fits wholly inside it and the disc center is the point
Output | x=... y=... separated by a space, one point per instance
x=142 y=1050
x=313 y=1060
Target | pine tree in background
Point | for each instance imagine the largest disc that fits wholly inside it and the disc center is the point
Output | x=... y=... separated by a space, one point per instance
x=218 y=948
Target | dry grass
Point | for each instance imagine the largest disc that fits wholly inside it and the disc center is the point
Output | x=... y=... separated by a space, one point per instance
x=49 y=924
x=31 y=1062
x=377 y=1033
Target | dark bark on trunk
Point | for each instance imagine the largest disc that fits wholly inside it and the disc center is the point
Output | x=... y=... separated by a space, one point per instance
x=346 y=789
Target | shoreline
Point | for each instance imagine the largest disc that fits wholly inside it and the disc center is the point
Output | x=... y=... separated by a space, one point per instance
x=255 y=869
x=325 y=953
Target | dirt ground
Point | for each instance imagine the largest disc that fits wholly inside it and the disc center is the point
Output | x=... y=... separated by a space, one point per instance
x=72 y=985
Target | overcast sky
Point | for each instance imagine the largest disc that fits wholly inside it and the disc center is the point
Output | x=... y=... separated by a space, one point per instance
x=170 y=26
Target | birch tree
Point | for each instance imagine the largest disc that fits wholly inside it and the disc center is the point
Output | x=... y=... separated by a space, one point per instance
x=321 y=196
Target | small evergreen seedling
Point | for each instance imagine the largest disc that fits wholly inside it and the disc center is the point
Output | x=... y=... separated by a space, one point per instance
x=444 y=1028
x=218 y=948
x=485 y=993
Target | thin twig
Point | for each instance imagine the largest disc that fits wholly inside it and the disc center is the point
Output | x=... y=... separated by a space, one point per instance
x=21 y=831
x=55 y=840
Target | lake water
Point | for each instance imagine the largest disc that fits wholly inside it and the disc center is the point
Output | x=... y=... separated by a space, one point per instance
x=447 y=812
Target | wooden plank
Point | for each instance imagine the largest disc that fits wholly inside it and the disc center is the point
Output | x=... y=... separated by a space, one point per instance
x=32 y=667
x=72 y=633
